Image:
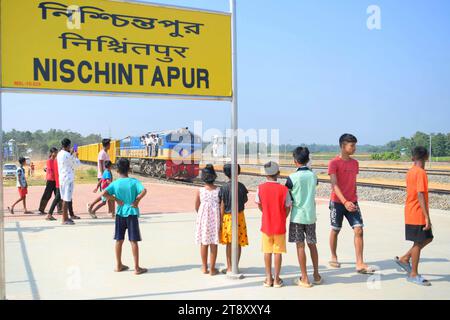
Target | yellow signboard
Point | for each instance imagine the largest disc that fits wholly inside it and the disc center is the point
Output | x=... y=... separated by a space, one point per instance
x=112 y=46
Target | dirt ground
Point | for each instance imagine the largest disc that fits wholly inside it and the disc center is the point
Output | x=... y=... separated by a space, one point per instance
x=161 y=198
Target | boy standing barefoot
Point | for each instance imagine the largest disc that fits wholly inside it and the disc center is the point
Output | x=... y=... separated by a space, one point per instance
x=417 y=217
x=127 y=193
x=343 y=171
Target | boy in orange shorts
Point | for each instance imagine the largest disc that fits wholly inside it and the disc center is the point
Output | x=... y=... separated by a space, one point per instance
x=417 y=217
x=275 y=203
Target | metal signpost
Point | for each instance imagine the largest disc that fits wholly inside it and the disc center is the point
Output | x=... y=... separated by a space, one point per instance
x=2 y=213
x=84 y=49
x=234 y=150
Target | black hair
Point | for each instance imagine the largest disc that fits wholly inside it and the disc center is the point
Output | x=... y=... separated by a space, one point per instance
x=123 y=166
x=53 y=150
x=106 y=142
x=301 y=155
x=227 y=170
x=65 y=143
x=209 y=174
x=108 y=164
x=420 y=153
x=22 y=160
x=347 y=138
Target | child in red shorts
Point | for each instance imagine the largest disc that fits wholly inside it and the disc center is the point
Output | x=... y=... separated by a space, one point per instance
x=22 y=187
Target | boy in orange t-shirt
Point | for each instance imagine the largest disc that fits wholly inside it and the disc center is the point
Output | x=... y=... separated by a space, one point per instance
x=417 y=217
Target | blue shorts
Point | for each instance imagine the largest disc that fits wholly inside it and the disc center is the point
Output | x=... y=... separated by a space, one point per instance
x=338 y=212
x=130 y=223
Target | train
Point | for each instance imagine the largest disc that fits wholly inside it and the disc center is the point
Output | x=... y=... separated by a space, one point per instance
x=170 y=154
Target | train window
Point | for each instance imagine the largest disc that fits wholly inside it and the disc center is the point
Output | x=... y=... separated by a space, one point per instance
x=183 y=138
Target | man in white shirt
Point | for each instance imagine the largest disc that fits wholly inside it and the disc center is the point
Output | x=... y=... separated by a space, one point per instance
x=67 y=161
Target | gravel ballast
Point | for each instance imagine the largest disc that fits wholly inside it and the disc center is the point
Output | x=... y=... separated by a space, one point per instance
x=437 y=201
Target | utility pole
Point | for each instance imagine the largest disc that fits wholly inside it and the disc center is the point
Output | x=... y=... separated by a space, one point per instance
x=431 y=155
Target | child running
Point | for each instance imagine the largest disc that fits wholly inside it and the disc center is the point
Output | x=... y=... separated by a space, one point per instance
x=302 y=185
x=127 y=192
x=22 y=186
x=226 y=206
x=102 y=184
x=207 y=205
x=417 y=217
x=274 y=201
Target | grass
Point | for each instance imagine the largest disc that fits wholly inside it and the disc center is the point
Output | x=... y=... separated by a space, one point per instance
x=441 y=159
x=86 y=176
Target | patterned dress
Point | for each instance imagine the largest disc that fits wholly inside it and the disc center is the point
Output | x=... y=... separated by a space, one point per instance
x=207 y=227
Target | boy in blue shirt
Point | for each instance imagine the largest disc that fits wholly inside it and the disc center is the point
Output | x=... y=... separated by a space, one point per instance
x=127 y=193
x=102 y=184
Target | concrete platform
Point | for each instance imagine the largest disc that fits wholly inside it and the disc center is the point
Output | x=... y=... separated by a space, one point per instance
x=46 y=260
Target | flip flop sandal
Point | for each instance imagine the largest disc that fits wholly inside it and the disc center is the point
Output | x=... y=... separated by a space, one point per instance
x=140 y=271
x=204 y=271
x=51 y=218
x=279 y=285
x=368 y=271
x=215 y=272
x=75 y=217
x=92 y=214
x=224 y=271
x=68 y=223
x=405 y=266
x=11 y=211
x=124 y=268
x=419 y=280
x=318 y=282
x=334 y=264
x=267 y=285
x=300 y=283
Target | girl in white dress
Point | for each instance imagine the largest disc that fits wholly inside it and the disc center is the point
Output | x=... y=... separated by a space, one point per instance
x=207 y=227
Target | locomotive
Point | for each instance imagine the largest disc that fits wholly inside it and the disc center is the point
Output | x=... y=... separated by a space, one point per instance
x=169 y=154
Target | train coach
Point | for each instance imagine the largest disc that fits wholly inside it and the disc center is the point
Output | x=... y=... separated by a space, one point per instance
x=170 y=154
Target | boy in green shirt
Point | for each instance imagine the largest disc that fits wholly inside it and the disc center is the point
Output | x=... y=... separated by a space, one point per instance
x=302 y=185
x=127 y=193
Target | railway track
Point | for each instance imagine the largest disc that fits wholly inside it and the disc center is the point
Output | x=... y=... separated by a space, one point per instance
x=255 y=173
x=359 y=183
x=435 y=172
x=283 y=165
x=245 y=172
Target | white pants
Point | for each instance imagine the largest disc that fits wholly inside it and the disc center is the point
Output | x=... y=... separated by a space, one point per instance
x=66 y=191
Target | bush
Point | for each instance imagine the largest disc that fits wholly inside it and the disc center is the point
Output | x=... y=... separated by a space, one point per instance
x=386 y=156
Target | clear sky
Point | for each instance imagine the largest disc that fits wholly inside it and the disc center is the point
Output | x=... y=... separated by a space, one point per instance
x=310 y=68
